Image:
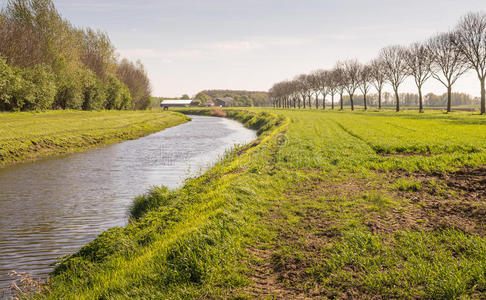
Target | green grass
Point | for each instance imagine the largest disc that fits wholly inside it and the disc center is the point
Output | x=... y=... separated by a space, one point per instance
x=26 y=136
x=330 y=204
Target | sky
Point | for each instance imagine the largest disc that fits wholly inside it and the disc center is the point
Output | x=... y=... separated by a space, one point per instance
x=191 y=45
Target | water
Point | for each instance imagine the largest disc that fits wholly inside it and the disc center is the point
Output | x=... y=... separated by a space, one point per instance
x=52 y=207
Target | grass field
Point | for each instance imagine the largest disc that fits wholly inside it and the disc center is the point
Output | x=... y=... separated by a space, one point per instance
x=324 y=204
x=26 y=136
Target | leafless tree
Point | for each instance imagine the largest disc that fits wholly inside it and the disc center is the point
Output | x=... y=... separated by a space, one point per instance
x=294 y=93
x=323 y=78
x=98 y=53
x=136 y=79
x=419 y=64
x=378 y=77
x=304 y=84
x=276 y=94
x=365 y=82
x=333 y=85
x=470 y=40
x=448 y=63
x=395 y=68
x=351 y=70
x=340 y=81
x=315 y=85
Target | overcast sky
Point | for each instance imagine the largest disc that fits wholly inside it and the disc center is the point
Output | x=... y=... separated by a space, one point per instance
x=191 y=45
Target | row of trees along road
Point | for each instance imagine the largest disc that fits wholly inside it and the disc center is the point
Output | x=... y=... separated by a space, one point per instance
x=47 y=63
x=444 y=57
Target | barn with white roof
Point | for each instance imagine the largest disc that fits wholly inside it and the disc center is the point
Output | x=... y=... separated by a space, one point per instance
x=175 y=103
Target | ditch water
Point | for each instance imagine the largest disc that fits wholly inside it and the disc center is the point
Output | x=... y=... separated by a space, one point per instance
x=52 y=207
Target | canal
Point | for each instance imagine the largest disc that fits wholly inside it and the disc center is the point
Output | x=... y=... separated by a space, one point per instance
x=52 y=207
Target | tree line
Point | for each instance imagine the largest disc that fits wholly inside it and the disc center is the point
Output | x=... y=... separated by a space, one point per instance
x=47 y=63
x=241 y=98
x=444 y=57
x=412 y=100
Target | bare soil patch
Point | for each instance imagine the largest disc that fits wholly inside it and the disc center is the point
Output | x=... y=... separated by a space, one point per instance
x=449 y=200
x=469 y=180
x=270 y=272
x=454 y=200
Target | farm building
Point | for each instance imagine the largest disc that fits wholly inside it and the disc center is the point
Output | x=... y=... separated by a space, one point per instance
x=175 y=103
x=223 y=102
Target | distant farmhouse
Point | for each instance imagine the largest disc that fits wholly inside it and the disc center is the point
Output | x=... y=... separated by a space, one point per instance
x=223 y=102
x=176 y=103
x=219 y=102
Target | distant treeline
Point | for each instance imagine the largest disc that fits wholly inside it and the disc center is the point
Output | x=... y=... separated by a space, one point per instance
x=47 y=63
x=241 y=98
x=412 y=100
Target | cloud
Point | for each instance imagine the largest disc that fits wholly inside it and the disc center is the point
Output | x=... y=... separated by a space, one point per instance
x=212 y=49
x=144 y=54
x=255 y=43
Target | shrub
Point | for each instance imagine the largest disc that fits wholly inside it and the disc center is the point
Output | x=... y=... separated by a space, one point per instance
x=93 y=92
x=11 y=87
x=69 y=91
x=117 y=94
x=40 y=88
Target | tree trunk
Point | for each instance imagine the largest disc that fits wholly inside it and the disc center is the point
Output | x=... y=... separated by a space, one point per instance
x=332 y=101
x=342 y=101
x=379 y=99
x=352 y=102
x=317 y=101
x=364 y=99
x=303 y=101
x=310 y=101
x=449 y=98
x=421 y=101
x=483 y=97
x=323 y=101
x=397 y=99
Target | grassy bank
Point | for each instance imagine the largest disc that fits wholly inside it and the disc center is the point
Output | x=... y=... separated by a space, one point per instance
x=27 y=136
x=324 y=204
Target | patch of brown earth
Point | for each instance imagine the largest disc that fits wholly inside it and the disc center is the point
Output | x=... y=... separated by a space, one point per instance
x=284 y=271
x=266 y=281
x=269 y=272
x=455 y=200
x=451 y=200
x=469 y=180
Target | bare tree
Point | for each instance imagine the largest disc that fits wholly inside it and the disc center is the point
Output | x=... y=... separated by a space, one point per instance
x=98 y=54
x=351 y=70
x=315 y=85
x=419 y=64
x=394 y=68
x=470 y=40
x=378 y=77
x=305 y=88
x=137 y=81
x=340 y=81
x=333 y=87
x=323 y=77
x=365 y=82
x=447 y=62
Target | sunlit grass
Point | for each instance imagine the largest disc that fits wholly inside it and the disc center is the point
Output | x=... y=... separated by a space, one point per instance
x=27 y=135
x=314 y=191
